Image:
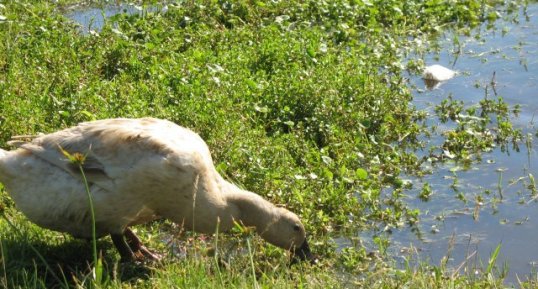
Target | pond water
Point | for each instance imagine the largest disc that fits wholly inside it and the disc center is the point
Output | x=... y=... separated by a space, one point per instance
x=449 y=226
x=93 y=18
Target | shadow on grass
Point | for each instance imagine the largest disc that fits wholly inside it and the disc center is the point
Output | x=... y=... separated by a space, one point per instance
x=65 y=263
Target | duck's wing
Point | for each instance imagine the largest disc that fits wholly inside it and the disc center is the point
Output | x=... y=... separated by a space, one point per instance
x=115 y=153
x=73 y=161
x=70 y=162
x=106 y=150
x=76 y=160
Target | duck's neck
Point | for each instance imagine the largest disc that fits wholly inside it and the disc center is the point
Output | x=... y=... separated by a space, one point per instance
x=249 y=208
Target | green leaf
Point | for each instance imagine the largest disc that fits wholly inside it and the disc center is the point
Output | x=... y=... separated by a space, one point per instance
x=88 y=114
x=361 y=174
x=311 y=52
x=327 y=174
x=221 y=168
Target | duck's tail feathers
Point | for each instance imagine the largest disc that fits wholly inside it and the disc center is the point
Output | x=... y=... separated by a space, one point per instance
x=19 y=140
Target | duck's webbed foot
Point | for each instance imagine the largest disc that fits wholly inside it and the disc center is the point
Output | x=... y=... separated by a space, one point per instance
x=131 y=248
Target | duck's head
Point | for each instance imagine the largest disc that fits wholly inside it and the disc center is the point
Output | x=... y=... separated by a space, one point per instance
x=287 y=232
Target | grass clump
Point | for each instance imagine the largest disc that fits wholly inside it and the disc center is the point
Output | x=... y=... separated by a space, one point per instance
x=303 y=102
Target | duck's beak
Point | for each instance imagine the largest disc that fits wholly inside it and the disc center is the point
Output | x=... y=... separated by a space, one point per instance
x=302 y=253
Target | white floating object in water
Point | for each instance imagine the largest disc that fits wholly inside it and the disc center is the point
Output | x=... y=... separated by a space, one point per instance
x=437 y=72
x=434 y=75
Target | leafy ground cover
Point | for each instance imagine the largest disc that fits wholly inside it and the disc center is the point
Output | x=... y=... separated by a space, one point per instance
x=303 y=102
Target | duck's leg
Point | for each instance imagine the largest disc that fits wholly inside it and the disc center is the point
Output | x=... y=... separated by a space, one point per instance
x=123 y=248
x=138 y=249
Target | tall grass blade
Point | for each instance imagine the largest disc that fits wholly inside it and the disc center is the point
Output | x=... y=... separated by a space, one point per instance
x=493 y=259
x=216 y=256
x=254 y=280
x=79 y=159
x=2 y=257
x=94 y=237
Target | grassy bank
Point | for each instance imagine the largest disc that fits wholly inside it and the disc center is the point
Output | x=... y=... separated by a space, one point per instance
x=303 y=102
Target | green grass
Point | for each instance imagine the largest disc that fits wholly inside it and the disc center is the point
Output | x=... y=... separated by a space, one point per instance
x=303 y=102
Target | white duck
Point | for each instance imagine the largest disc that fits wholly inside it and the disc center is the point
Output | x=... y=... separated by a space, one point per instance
x=138 y=170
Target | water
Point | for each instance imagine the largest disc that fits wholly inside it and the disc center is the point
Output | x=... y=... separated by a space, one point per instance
x=448 y=225
x=93 y=18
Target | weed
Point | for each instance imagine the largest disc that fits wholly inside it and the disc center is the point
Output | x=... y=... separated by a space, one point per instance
x=78 y=159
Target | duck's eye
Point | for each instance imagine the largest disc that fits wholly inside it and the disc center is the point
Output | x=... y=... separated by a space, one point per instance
x=296 y=227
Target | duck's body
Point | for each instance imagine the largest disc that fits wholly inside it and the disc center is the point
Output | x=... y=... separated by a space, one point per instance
x=137 y=170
